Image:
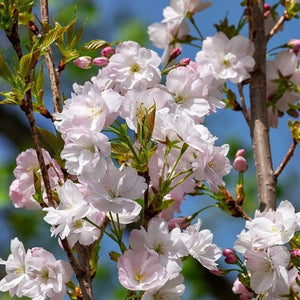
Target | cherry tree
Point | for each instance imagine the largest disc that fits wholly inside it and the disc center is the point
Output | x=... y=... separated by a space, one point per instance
x=131 y=144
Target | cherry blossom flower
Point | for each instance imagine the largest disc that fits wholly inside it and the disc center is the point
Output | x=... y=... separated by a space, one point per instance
x=230 y=59
x=48 y=276
x=86 y=154
x=239 y=288
x=72 y=208
x=90 y=108
x=269 y=228
x=22 y=188
x=140 y=270
x=268 y=269
x=16 y=270
x=179 y=9
x=171 y=290
x=133 y=64
x=158 y=240
x=117 y=192
x=200 y=246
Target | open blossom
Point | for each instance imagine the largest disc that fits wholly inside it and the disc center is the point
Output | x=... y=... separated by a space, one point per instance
x=15 y=269
x=86 y=154
x=71 y=210
x=35 y=274
x=200 y=246
x=132 y=64
x=179 y=9
x=269 y=228
x=168 y=246
x=230 y=59
x=48 y=276
x=22 y=189
x=140 y=270
x=268 y=269
x=171 y=290
x=89 y=108
x=116 y=193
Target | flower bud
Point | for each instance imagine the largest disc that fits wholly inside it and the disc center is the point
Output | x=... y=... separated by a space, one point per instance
x=182 y=222
x=83 y=62
x=240 y=164
x=230 y=256
x=101 y=61
x=174 y=53
x=108 y=52
x=294 y=44
x=295 y=253
x=240 y=152
x=183 y=62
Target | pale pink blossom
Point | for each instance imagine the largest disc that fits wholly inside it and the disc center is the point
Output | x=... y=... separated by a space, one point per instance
x=48 y=276
x=116 y=193
x=239 y=288
x=229 y=59
x=132 y=65
x=200 y=246
x=171 y=290
x=22 y=188
x=268 y=269
x=83 y=62
x=86 y=154
x=140 y=270
x=179 y=9
x=15 y=268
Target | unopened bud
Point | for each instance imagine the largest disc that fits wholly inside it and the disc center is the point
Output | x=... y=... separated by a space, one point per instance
x=240 y=152
x=108 y=52
x=83 y=62
x=294 y=44
x=182 y=222
x=295 y=253
x=240 y=164
x=101 y=61
x=184 y=62
x=174 y=53
x=230 y=256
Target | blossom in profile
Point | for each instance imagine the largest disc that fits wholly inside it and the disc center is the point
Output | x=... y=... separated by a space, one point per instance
x=22 y=189
x=132 y=64
x=229 y=59
x=15 y=268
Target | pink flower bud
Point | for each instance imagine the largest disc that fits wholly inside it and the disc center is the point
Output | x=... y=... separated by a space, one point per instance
x=295 y=253
x=83 y=62
x=230 y=256
x=184 y=62
x=174 y=53
x=240 y=164
x=267 y=13
x=108 y=52
x=101 y=61
x=294 y=44
x=182 y=222
x=240 y=152
x=267 y=6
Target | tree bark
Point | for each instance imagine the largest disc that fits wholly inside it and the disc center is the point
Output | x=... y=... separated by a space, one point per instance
x=266 y=182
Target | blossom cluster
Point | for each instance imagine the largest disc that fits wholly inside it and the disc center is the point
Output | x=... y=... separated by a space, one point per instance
x=134 y=146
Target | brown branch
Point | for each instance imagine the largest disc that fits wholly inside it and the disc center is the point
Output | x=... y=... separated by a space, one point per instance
x=243 y=103
x=266 y=183
x=278 y=25
x=53 y=76
x=287 y=158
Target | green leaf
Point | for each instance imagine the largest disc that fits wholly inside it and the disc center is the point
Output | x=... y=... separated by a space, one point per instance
x=13 y=97
x=95 y=45
x=27 y=62
x=55 y=143
x=5 y=71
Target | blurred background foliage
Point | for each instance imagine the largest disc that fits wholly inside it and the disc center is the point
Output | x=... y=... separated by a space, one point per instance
x=121 y=22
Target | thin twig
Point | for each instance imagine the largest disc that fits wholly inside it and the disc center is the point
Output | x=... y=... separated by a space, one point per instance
x=278 y=25
x=286 y=159
x=54 y=78
x=244 y=107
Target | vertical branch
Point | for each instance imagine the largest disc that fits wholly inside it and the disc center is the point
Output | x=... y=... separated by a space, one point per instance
x=53 y=76
x=266 y=182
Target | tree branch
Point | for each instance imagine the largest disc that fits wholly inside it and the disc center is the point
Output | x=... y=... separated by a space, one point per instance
x=278 y=25
x=266 y=183
x=243 y=103
x=53 y=76
x=288 y=156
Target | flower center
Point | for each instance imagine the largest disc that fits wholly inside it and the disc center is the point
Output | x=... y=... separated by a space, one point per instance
x=179 y=99
x=135 y=68
x=139 y=277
